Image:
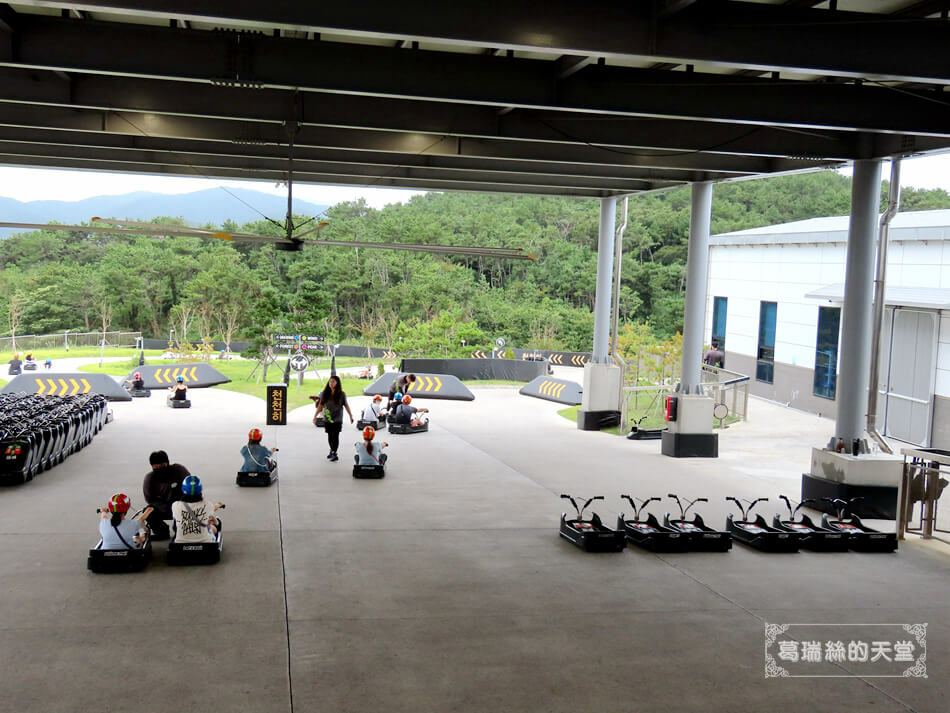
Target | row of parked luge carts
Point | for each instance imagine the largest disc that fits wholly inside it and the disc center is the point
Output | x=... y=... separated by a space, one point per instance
x=838 y=533
x=38 y=432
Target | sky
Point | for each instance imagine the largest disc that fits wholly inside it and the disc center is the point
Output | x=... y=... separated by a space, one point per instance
x=32 y=184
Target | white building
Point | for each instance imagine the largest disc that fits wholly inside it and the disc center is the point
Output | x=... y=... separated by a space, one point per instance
x=774 y=305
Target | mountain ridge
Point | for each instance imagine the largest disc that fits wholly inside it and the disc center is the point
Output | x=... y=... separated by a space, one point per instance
x=210 y=205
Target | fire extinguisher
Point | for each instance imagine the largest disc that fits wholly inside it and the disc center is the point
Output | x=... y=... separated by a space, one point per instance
x=669 y=407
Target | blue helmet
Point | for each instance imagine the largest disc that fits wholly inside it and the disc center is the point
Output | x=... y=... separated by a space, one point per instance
x=191 y=485
x=397 y=396
x=180 y=379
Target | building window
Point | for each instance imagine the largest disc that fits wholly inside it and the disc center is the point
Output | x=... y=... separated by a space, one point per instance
x=719 y=322
x=826 y=352
x=765 y=357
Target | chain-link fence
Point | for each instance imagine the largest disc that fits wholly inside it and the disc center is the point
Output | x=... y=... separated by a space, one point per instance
x=70 y=340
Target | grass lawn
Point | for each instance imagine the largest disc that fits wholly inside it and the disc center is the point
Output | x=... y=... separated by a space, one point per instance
x=61 y=353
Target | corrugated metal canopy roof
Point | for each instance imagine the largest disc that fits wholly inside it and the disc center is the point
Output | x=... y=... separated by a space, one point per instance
x=597 y=98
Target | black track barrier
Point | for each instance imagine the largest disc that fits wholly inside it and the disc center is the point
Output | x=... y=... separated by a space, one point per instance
x=554 y=358
x=558 y=390
x=426 y=386
x=469 y=369
x=38 y=432
x=76 y=384
x=194 y=376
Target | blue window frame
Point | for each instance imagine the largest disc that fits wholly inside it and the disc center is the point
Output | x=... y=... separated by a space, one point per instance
x=720 y=305
x=765 y=357
x=826 y=352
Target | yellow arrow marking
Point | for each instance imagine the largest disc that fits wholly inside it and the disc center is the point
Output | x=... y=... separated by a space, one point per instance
x=75 y=387
x=158 y=375
x=429 y=383
x=438 y=383
x=175 y=374
x=544 y=387
x=193 y=376
x=52 y=387
x=40 y=387
x=167 y=377
x=560 y=388
x=63 y=387
x=85 y=385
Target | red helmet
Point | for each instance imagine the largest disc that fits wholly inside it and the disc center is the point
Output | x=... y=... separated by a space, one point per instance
x=254 y=434
x=377 y=397
x=369 y=433
x=137 y=375
x=120 y=503
x=407 y=399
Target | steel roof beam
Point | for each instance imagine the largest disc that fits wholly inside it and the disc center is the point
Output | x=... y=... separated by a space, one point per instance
x=153 y=96
x=110 y=48
x=657 y=165
x=743 y=35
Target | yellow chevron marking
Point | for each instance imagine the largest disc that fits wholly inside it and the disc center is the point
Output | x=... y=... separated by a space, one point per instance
x=560 y=388
x=167 y=377
x=52 y=387
x=429 y=383
x=63 y=387
x=40 y=387
x=158 y=376
x=85 y=385
x=175 y=373
x=75 y=387
x=438 y=383
x=193 y=376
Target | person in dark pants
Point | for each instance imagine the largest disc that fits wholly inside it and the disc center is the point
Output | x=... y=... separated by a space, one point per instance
x=331 y=404
x=161 y=488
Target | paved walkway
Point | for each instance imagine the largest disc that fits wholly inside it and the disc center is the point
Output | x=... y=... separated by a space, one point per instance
x=443 y=587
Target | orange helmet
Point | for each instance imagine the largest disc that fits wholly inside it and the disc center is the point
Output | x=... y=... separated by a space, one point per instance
x=137 y=375
x=119 y=503
x=369 y=433
x=254 y=434
x=407 y=399
x=377 y=397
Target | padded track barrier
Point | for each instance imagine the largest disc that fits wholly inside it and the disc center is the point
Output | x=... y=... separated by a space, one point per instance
x=76 y=384
x=427 y=386
x=558 y=390
x=195 y=376
x=507 y=369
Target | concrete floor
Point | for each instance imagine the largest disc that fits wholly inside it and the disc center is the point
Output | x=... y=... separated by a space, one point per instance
x=443 y=587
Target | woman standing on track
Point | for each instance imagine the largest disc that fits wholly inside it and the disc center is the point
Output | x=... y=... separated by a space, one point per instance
x=331 y=404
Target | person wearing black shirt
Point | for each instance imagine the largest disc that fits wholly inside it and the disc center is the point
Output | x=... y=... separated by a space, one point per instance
x=331 y=404
x=162 y=487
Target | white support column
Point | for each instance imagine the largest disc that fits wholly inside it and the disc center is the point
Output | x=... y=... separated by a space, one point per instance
x=605 y=256
x=857 y=312
x=697 y=261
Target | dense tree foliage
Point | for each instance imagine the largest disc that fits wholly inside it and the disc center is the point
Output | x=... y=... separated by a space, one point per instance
x=58 y=280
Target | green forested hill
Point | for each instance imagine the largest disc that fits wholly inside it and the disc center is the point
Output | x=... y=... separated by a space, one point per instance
x=54 y=280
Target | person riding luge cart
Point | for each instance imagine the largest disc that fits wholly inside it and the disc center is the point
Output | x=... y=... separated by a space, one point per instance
x=369 y=461
x=136 y=387
x=124 y=543
x=197 y=539
x=407 y=419
x=260 y=467
x=590 y=535
x=178 y=394
x=650 y=534
x=373 y=415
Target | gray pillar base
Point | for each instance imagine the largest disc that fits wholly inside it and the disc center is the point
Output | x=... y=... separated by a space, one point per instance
x=880 y=501
x=690 y=445
x=596 y=420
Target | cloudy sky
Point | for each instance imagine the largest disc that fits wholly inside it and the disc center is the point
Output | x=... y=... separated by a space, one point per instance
x=31 y=184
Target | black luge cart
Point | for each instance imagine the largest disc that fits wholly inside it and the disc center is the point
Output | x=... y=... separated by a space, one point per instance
x=810 y=536
x=195 y=553
x=758 y=533
x=590 y=535
x=702 y=538
x=861 y=538
x=407 y=428
x=140 y=393
x=650 y=534
x=179 y=403
x=369 y=472
x=379 y=424
x=248 y=479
